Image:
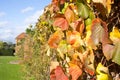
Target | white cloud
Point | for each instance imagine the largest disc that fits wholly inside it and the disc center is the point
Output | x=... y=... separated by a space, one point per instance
x=27 y=9
x=7 y=31
x=33 y=19
x=6 y=34
x=2 y=14
x=11 y=33
x=3 y=23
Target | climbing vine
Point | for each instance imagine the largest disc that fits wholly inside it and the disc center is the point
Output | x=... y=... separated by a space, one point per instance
x=76 y=40
x=84 y=47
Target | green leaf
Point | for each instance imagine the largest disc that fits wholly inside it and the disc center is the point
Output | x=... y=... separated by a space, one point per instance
x=116 y=54
x=91 y=15
x=83 y=10
x=62 y=48
x=88 y=22
x=65 y=6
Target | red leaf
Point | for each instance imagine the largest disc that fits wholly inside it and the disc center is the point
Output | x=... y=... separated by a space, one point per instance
x=60 y=74
x=52 y=75
x=99 y=33
x=61 y=22
x=55 y=4
x=99 y=26
x=75 y=71
x=90 y=71
x=62 y=1
x=108 y=51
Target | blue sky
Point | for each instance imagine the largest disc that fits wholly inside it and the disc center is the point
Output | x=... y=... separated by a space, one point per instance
x=17 y=15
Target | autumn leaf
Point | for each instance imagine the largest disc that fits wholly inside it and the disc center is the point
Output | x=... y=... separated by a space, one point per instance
x=115 y=37
x=83 y=10
x=59 y=73
x=105 y=3
x=61 y=22
x=75 y=71
x=55 y=4
x=115 y=34
x=55 y=39
x=91 y=15
x=88 y=1
x=100 y=1
x=52 y=75
x=103 y=73
x=98 y=32
x=62 y=48
x=116 y=53
x=89 y=62
x=53 y=65
x=88 y=22
x=108 y=50
x=108 y=5
x=73 y=38
x=78 y=25
x=62 y=1
x=69 y=14
x=113 y=51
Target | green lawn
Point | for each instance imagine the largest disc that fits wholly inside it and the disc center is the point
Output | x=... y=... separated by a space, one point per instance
x=9 y=71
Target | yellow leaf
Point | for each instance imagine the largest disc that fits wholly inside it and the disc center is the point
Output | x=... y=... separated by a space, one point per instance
x=115 y=33
x=108 y=5
x=88 y=1
x=102 y=72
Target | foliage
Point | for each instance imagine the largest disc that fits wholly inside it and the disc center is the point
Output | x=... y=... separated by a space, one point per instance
x=7 y=49
x=78 y=36
x=36 y=64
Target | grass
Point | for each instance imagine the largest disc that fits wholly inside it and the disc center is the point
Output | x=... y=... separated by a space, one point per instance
x=9 y=71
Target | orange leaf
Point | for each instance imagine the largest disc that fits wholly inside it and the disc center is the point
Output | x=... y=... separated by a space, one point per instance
x=74 y=39
x=71 y=37
x=75 y=71
x=69 y=14
x=55 y=39
x=61 y=22
x=78 y=26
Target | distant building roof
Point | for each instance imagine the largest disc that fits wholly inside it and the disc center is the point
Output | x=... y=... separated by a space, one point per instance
x=21 y=36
